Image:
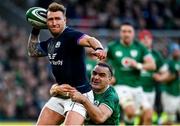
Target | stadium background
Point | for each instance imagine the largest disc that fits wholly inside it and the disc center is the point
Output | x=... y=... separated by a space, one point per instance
x=25 y=82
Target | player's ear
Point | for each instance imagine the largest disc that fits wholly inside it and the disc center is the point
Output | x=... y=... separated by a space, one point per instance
x=110 y=78
x=64 y=19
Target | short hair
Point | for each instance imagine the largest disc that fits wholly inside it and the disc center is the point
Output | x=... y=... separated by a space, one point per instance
x=56 y=7
x=107 y=66
x=127 y=23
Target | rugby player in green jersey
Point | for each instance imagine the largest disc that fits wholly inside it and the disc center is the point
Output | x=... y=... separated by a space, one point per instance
x=146 y=77
x=169 y=75
x=128 y=57
x=91 y=61
x=106 y=108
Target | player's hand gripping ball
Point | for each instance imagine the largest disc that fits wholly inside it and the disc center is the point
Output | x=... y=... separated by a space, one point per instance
x=36 y=16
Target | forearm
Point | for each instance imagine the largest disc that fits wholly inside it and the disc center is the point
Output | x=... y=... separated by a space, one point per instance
x=94 y=43
x=167 y=77
x=94 y=112
x=33 y=43
x=90 y=42
x=149 y=66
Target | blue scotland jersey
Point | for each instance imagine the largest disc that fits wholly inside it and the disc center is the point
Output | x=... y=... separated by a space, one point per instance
x=67 y=57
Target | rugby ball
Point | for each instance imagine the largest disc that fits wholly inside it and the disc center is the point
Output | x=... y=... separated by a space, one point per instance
x=36 y=16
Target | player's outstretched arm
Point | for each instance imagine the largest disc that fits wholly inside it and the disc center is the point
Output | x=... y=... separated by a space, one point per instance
x=33 y=44
x=92 y=42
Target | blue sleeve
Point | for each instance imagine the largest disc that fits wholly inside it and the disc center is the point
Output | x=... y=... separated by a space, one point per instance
x=76 y=36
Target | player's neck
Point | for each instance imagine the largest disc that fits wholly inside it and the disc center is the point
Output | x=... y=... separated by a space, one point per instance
x=125 y=44
x=101 y=91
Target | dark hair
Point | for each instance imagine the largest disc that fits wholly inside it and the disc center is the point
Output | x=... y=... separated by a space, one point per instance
x=127 y=23
x=56 y=7
x=107 y=66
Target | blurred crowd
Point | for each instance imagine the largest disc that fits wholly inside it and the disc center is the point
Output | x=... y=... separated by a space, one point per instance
x=24 y=82
x=150 y=14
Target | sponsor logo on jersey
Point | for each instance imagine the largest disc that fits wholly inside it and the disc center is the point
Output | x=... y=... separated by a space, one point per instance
x=177 y=67
x=59 y=62
x=96 y=102
x=125 y=61
x=89 y=66
x=58 y=44
x=133 y=53
x=118 y=53
x=52 y=56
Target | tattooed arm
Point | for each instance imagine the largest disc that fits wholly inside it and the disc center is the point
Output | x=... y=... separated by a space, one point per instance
x=33 y=45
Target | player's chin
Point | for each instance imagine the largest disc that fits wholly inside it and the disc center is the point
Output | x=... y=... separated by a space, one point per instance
x=55 y=32
x=95 y=86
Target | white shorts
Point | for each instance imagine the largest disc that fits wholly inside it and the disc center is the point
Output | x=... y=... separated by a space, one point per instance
x=132 y=96
x=62 y=106
x=170 y=103
x=150 y=98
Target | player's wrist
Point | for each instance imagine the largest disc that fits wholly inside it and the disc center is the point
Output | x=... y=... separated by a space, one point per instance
x=139 y=66
x=98 y=48
x=35 y=31
x=84 y=100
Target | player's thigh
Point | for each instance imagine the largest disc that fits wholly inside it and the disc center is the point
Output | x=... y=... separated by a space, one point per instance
x=150 y=98
x=74 y=118
x=52 y=112
x=170 y=103
x=125 y=95
x=76 y=112
x=49 y=117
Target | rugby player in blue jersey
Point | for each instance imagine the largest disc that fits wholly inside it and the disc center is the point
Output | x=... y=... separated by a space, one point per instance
x=66 y=56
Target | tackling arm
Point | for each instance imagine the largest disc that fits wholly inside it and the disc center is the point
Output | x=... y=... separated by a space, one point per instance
x=97 y=114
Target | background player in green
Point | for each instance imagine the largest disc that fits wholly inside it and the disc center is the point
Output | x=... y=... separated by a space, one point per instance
x=128 y=57
x=91 y=61
x=106 y=109
x=146 y=77
x=168 y=74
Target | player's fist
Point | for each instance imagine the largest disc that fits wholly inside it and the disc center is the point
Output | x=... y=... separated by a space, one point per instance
x=100 y=54
x=62 y=90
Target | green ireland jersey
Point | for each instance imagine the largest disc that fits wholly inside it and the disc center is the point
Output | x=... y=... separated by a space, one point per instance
x=146 y=79
x=117 y=56
x=173 y=87
x=90 y=64
x=111 y=100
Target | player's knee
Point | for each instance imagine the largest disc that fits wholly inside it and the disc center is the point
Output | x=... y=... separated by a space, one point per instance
x=129 y=111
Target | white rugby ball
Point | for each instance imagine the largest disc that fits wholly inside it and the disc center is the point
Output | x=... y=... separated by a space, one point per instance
x=36 y=16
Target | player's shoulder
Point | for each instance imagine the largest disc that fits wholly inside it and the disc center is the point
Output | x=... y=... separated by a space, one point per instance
x=70 y=30
x=112 y=93
x=138 y=43
x=156 y=52
x=112 y=43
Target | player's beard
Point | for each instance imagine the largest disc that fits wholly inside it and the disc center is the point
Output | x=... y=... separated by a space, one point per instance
x=55 y=33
